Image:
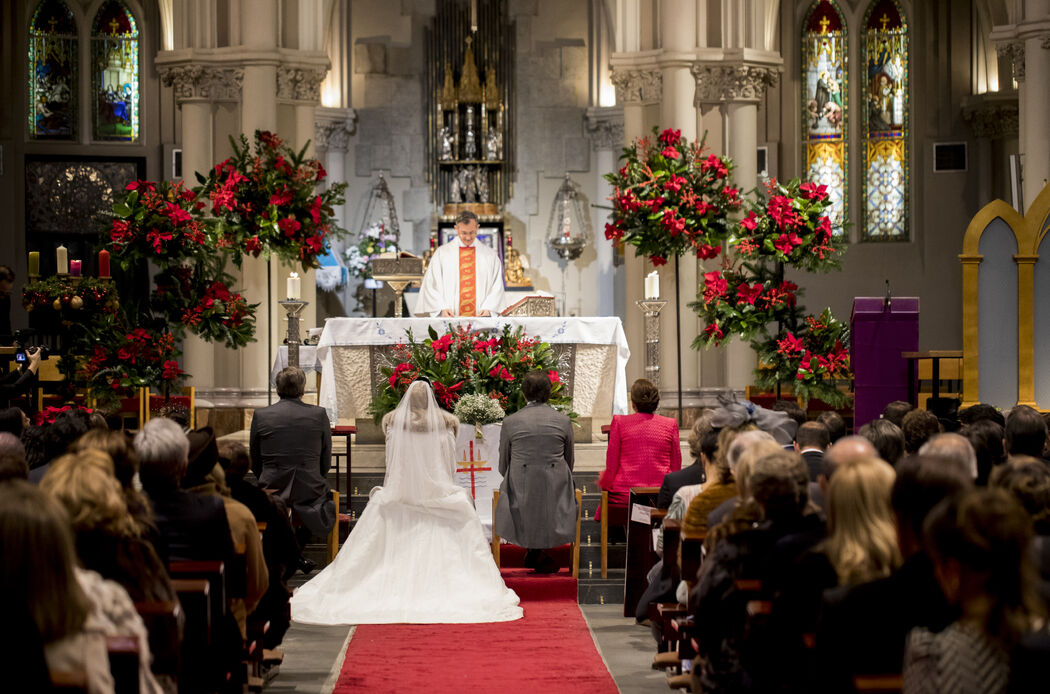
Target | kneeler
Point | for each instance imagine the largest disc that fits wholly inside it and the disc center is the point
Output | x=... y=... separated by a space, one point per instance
x=575 y=544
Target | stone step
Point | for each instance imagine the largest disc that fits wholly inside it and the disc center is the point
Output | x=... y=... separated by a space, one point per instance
x=594 y=590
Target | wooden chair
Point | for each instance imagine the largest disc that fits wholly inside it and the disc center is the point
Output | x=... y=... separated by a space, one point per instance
x=882 y=684
x=123 y=654
x=347 y=432
x=162 y=624
x=187 y=396
x=333 y=535
x=575 y=544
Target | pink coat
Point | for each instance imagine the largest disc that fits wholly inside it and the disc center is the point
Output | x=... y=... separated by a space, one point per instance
x=642 y=449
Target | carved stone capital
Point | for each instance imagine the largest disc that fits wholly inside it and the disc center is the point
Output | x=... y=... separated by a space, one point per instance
x=1014 y=52
x=334 y=136
x=197 y=81
x=605 y=128
x=727 y=82
x=993 y=119
x=638 y=86
x=300 y=83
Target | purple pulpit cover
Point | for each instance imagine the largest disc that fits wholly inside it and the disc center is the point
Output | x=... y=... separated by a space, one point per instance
x=878 y=335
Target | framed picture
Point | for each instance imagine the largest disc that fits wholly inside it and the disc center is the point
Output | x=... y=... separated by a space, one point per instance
x=489 y=234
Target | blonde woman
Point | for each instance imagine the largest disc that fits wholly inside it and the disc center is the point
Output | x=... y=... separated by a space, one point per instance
x=861 y=546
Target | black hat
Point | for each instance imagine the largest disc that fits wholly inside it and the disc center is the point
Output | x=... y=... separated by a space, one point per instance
x=204 y=454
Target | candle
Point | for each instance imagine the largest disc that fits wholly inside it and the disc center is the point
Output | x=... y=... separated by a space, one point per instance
x=294 y=286
x=62 y=260
x=34 y=264
x=74 y=268
x=652 y=285
x=103 y=263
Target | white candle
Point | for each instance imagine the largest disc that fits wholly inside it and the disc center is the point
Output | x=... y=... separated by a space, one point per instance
x=294 y=286
x=62 y=258
x=652 y=285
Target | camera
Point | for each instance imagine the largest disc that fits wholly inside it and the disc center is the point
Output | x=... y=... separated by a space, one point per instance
x=23 y=347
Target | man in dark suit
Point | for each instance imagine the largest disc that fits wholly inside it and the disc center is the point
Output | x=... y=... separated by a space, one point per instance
x=537 y=501
x=811 y=440
x=862 y=629
x=692 y=474
x=291 y=451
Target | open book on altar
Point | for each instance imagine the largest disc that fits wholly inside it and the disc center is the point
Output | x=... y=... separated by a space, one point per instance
x=532 y=305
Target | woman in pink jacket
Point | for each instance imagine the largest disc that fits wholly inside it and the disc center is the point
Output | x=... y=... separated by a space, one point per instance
x=643 y=447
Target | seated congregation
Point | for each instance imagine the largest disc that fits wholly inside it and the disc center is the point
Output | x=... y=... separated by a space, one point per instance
x=910 y=557
x=147 y=563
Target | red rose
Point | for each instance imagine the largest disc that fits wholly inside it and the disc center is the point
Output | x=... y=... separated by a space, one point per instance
x=746 y=294
x=670 y=137
x=812 y=191
x=706 y=252
x=289 y=225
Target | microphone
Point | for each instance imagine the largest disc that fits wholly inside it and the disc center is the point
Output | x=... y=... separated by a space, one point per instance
x=888 y=299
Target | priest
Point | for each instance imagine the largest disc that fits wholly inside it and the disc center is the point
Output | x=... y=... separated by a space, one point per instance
x=464 y=278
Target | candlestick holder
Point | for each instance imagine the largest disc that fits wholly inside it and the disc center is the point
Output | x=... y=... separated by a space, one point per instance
x=293 y=307
x=651 y=308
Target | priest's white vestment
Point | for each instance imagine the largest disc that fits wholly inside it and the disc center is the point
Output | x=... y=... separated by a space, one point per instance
x=440 y=289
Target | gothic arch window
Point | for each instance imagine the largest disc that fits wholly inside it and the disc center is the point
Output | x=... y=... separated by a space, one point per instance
x=53 y=54
x=824 y=99
x=884 y=82
x=115 y=73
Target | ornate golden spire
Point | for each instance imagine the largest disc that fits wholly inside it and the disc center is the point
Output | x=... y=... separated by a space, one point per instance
x=447 y=97
x=469 y=84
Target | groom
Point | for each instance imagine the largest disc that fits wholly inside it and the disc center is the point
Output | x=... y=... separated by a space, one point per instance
x=537 y=501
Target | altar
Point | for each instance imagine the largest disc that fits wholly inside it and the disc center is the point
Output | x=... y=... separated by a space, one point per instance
x=593 y=352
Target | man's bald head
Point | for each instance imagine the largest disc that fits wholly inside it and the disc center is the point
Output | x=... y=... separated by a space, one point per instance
x=846 y=450
x=953 y=447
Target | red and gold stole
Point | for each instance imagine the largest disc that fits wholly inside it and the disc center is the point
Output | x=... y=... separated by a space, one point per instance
x=468 y=281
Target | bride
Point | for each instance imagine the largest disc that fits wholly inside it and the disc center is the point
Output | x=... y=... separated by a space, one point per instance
x=418 y=553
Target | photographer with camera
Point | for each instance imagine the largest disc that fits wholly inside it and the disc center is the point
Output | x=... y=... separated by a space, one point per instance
x=20 y=380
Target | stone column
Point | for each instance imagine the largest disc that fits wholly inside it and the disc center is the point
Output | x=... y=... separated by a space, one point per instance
x=605 y=126
x=197 y=88
x=728 y=92
x=636 y=88
x=259 y=112
x=1035 y=104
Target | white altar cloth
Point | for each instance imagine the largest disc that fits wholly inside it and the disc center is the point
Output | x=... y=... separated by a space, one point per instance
x=307 y=361
x=605 y=332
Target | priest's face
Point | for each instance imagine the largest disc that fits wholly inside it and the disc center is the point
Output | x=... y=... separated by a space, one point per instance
x=467 y=232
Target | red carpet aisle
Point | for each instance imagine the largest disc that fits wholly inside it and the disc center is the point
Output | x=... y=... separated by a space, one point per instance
x=549 y=650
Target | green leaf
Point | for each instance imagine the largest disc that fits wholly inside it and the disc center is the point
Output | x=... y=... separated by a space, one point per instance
x=121 y=209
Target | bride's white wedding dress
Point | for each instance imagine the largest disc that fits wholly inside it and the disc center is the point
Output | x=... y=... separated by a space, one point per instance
x=418 y=553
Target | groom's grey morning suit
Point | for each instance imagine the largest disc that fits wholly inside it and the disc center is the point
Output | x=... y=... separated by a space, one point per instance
x=537 y=502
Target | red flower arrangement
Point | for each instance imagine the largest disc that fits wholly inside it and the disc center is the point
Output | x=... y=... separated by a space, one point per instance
x=265 y=200
x=155 y=223
x=466 y=361
x=670 y=199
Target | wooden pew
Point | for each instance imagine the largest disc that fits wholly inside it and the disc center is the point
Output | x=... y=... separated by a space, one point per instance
x=165 y=639
x=123 y=654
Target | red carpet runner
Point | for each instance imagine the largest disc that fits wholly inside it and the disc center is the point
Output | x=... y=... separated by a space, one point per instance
x=549 y=650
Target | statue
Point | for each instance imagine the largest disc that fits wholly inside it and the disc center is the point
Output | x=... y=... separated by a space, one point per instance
x=446 y=143
x=481 y=183
x=493 y=144
x=464 y=188
x=515 y=272
x=470 y=145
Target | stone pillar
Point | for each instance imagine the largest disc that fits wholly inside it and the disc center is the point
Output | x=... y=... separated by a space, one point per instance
x=635 y=89
x=197 y=88
x=259 y=112
x=605 y=126
x=1035 y=102
x=728 y=92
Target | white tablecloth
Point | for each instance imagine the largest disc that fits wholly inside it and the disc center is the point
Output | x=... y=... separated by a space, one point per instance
x=361 y=332
x=307 y=360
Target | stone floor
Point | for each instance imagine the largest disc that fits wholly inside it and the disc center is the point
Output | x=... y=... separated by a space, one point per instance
x=313 y=654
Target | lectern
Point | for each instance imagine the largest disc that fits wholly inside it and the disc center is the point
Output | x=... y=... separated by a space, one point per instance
x=880 y=329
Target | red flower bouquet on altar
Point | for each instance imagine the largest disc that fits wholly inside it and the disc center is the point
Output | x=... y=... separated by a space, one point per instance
x=155 y=222
x=266 y=202
x=671 y=198
x=465 y=361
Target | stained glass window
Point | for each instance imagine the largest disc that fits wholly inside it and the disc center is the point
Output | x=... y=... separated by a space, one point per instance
x=885 y=123
x=115 y=73
x=824 y=97
x=52 y=80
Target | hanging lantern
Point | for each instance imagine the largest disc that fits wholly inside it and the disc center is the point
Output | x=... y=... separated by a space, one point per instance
x=569 y=228
x=379 y=209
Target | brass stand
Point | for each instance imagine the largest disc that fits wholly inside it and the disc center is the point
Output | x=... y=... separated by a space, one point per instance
x=399 y=283
x=293 y=308
x=651 y=308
